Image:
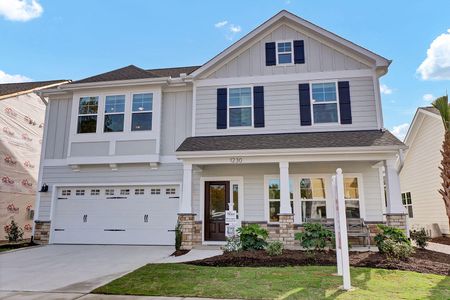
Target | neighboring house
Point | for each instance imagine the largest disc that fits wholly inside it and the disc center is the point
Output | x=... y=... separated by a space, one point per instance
x=262 y=126
x=21 y=122
x=420 y=178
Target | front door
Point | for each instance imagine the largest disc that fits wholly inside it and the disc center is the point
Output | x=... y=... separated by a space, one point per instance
x=217 y=195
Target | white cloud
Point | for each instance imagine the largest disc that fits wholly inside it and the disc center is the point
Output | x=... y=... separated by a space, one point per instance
x=220 y=24
x=235 y=28
x=20 y=10
x=400 y=130
x=385 y=89
x=428 y=97
x=8 y=78
x=437 y=63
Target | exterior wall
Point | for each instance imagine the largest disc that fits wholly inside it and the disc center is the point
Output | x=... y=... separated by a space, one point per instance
x=58 y=127
x=136 y=173
x=421 y=175
x=254 y=197
x=319 y=56
x=282 y=109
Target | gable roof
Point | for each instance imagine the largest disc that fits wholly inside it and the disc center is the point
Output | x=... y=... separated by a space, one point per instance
x=173 y=72
x=430 y=109
x=421 y=113
x=286 y=15
x=304 y=140
x=14 y=89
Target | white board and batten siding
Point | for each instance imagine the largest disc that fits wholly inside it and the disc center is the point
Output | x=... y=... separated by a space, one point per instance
x=420 y=175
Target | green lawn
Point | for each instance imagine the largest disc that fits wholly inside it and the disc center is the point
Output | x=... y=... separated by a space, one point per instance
x=306 y=282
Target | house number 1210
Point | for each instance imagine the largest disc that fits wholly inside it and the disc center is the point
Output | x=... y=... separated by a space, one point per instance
x=236 y=160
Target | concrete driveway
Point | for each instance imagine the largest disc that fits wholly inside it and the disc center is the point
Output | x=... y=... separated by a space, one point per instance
x=72 y=268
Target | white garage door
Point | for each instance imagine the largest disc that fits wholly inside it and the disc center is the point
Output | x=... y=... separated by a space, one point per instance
x=145 y=215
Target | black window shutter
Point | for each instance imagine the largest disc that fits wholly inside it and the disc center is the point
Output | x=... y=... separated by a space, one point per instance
x=345 y=108
x=299 y=52
x=258 y=105
x=270 y=54
x=305 y=104
x=222 y=108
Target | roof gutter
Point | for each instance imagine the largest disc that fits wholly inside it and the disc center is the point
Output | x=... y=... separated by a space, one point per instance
x=33 y=90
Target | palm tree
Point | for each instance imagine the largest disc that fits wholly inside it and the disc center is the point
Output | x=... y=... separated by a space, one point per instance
x=441 y=104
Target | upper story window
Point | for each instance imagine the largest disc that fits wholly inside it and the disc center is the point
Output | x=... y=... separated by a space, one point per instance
x=142 y=112
x=240 y=107
x=324 y=102
x=87 y=115
x=114 y=113
x=284 y=53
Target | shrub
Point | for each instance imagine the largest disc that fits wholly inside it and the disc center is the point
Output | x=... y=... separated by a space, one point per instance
x=13 y=232
x=315 y=236
x=393 y=243
x=275 y=248
x=233 y=244
x=420 y=237
x=253 y=237
x=178 y=236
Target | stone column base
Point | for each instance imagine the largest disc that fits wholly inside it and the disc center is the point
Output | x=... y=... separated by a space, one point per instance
x=287 y=229
x=41 y=232
x=187 y=224
x=397 y=220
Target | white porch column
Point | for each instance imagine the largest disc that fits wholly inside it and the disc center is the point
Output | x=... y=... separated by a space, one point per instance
x=285 y=198
x=186 y=196
x=393 y=192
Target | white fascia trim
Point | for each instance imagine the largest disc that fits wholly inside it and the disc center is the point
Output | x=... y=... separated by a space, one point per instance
x=416 y=122
x=380 y=61
x=284 y=78
x=117 y=159
x=164 y=159
x=115 y=83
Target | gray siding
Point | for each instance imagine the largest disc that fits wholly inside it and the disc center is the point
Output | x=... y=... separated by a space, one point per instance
x=143 y=147
x=86 y=149
x=58 y=126
x=282 y=112
x=319 y=57
x=132 y=173
x=176 y=123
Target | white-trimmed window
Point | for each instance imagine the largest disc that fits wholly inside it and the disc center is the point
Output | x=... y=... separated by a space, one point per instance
x=142 y=112
x=79 y=192
x=114 y=113
x=407 y=203
x=87 y=115
x=274 y=198
x=284 y=53
x=109 y=192
x=125 y=191
x=313 y=198
x=95 y=192
x=139 y=191
x=324 y=102
x=351 y=196
x=155 y=191
x=66 y=192
x=240 y=107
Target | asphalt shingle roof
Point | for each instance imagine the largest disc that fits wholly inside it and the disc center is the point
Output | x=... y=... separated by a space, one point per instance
x=362 y=138
x=13 y=88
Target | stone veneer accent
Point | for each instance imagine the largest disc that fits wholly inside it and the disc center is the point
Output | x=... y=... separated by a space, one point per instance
x=41 y=232
x=187 y=223
x=397 y=221
x=286 y=229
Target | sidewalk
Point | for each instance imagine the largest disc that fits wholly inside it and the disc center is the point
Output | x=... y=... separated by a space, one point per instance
x=438 y=247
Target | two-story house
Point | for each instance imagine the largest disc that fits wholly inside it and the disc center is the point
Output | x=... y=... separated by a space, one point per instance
x=261 y=127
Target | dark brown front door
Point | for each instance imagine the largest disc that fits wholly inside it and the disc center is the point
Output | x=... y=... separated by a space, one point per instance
x=217 y=195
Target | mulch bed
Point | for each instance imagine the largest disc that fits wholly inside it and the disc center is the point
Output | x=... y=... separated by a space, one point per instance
x=441 y=240
x=423 y=261
x=179 y=252
x=12 y=246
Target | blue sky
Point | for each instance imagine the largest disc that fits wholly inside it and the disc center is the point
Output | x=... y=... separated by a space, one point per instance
x=45 y=39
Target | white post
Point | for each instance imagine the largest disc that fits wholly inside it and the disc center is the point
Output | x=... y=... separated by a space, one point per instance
x=393 y=192
x=285 y=198
x=186 y=202
x=343 y=230
x=337 y=233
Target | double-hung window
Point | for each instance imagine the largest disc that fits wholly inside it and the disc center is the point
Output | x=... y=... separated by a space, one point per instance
x=284 y=53
x=142 y=112
x=407 y=203
x=351 y=196
x=313 y=198
x=114 y=113
x=87 y=115
x=324 y=102
x=274 y=199
x=240 y=107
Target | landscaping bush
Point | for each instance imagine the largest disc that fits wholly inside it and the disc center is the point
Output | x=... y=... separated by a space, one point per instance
x=420 y=237
x=253 y=237
x=275 y=248
x=233 y=244
x=315 y=236
x=393 y=243
x=13 y=232
x=178 y=236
